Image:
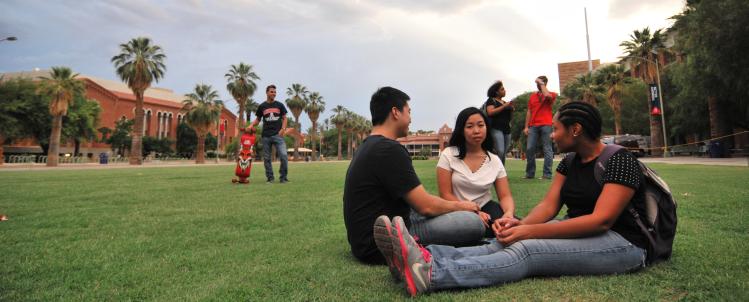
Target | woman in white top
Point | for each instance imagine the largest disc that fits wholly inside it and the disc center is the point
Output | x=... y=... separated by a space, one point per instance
x=467 y=170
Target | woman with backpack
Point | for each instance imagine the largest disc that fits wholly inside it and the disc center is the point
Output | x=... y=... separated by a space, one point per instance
x=599 y=237
x=499 y=112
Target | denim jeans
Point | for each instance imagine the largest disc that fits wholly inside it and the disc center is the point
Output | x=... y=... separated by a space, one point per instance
x=460 y=228
x=501 y=143
x=280 y=144
x=492 y=263
x=536 y=133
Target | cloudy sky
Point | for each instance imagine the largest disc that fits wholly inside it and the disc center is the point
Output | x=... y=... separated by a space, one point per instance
x=443 y=53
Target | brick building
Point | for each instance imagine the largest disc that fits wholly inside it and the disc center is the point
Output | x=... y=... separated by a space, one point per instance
x=436 y=142
x=162 y=113
x=568 y=71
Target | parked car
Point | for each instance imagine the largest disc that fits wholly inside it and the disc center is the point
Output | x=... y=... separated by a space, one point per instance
x=637 y=144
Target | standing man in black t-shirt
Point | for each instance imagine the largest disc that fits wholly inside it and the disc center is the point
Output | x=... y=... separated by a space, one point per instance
x=273 y=114
x=500 y=114
x=381 y=181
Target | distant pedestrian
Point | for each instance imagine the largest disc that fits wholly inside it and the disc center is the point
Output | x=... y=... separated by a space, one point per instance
x=538 y=127
x=273 y=114
x=500 y=114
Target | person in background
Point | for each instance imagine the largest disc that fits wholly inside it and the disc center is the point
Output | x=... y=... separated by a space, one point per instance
x=500 y=114
x=273 y=114
x=538 y=127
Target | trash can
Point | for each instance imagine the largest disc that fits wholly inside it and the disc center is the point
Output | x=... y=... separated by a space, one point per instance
x=103 y=158
x=716 y=149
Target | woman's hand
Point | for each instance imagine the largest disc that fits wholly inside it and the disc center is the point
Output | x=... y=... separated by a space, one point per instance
x=503 y=223
x=510 y=235
x=485 y=218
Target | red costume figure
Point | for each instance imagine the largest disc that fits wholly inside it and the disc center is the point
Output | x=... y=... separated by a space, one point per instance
x=246 y=153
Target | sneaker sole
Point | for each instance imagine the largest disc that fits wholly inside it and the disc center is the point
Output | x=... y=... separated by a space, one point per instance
x=401 y=252
x=384 y=242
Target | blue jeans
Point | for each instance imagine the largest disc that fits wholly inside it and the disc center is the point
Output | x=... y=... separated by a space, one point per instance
x=280 y=144
x=534 y=134
x=460 y=228
x=501 y=143
x=492 y=263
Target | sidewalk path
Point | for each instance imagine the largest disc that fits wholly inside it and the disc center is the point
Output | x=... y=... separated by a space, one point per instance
x=692 y=160
x=686 y=160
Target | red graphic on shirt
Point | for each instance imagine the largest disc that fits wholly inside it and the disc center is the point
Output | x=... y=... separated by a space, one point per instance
x=271 y=114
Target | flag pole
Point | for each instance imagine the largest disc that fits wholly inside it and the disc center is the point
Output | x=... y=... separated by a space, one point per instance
x=587 y=39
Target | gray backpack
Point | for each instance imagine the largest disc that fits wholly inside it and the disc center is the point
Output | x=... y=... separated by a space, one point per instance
x=658 y=223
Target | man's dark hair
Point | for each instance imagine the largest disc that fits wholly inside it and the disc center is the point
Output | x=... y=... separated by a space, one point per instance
x=584 y=114
x=494 y=89
x=383 y=100
x=544 y=78
x=458 y=138
x=269 y=87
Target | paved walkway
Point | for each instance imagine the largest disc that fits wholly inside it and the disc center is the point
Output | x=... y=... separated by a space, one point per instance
x=692 y=160
x=687 y=160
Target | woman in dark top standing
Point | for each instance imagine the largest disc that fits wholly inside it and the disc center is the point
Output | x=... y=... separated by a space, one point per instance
x=500 y=114
x=600 y=237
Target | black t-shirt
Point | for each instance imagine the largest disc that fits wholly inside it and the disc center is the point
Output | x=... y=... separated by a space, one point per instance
x=501 y=120
x=272 y=115
x=378 y=178
x=580 y=190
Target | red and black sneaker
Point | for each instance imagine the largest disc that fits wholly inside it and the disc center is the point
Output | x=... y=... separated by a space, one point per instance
x=417 y=261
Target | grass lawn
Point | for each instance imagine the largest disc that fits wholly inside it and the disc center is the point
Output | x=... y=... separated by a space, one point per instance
x=187 y=233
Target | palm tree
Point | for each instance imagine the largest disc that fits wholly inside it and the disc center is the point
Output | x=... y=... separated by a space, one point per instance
x=138 y=65
x=323 y=127
x=584 y=88
x=250 y=108
x=349 y=125
x=203 y=109
x=241 y=86
x=297 y=101
x=339 y=119
x=613 y=78
x=365 y=129
x=314 y=107
x=61 y=86
x=360 y=126
x=644 y=45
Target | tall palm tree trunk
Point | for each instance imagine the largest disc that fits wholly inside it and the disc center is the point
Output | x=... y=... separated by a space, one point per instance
x=136 y=147
x=339 y=143
x=617 y=120
x=200 y=157
x=54 y=141
x=298 y=129
x=350 y=149
x=656 y=135
x=314 y=134
x=241 y=123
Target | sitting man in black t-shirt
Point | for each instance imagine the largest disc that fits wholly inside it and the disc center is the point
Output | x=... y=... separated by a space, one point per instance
x=381 y=181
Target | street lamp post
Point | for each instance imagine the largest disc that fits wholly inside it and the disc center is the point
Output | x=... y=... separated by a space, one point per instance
x=660 y=96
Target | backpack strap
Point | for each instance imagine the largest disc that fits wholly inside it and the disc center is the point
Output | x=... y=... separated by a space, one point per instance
x=603 y=159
